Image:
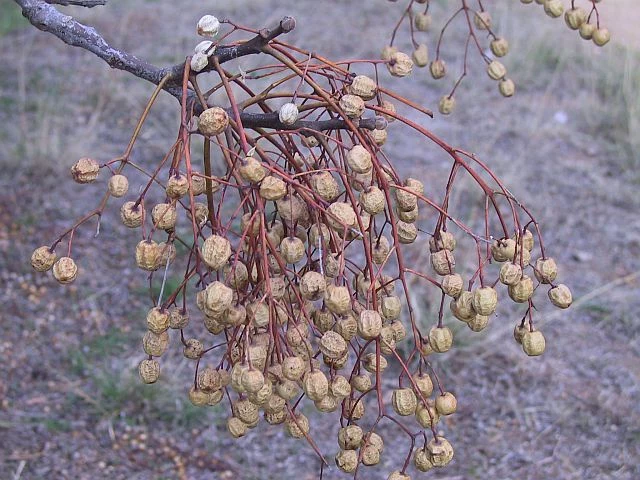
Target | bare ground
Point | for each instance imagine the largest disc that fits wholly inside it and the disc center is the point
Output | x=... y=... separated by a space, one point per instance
x=71 y=406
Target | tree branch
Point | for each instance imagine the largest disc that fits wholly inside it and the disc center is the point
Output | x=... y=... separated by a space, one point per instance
x=78 y=3
x=47 y=18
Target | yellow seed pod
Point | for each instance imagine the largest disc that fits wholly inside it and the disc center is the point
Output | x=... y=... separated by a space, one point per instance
x=157 y=320
x=164 y=216
x=201 y=213
x=375 y=440
x=359 y=159
x=149 y=371
x=352 y=105
x=422 y=461
x=155 y=345
x=407 y=232
x=399 y=331
x=506 y=87
x=214 y=325
x=521 y=291
x=452 y=285
x=237 y=428
x=443 y=262
x=446 y=404
x=406 y=199
x=485 y=300
x=518 y=332
x=409 y=216
x=423 y=383
x=213 y=121
x=292 y=249
x=546 y=270
x=398 y=475
x=533 y=343
x=297 y=333
x=85 y=170
x=131 y=215
x=440 y=339
x=234 y=316
x=420 y=55
x=575 y=17
x=338 y=299
x=340 y=387
x=236 y=377
x=422 y=21
x=42 y=259
x=370 y=455
x=293 y=368
x=177 y=186
x=347 y=327
x=287 y=389
x=327 y=404
x=496 y=70
x=586 y=30
x=118 y=185
x=275 y=403
x=379 y=136
x=325 y=186
x=252 y=380
x=387 y=52
x=369 y=324
x=322 y=319
x=214 y=398
x=440 y=451
x=446 y=105
x=400 y=65
x=272 y=188
x=370 y=362
x=350 y=437
x=363 y=86
x=258 y=356
x=482 y=20
x=312 y=286
x=340 y=215
x=315 y=385
x=147 y=255
x=438 y=69
x=209 y=380
x=65 y=270
x=442 y=240
x=246 y=411
x=499 y=47
x=217 y=298
x=390 y=307
x=372 y=200
x=380 y=250
x=198 y=397
x=527 y=240
x=276 y=418
x=347 y=460
x=319 y=234
x=559 y=295
x=427 y=417
x=553 y=8
x=297 y=426
x=503 y=250
x=193 y=349
x=333 y=345
x=478 y=322
x=251 y=169
x=361 y=382
x=390 y=108
x=510 y=274
x=236 y=275
x=404 y=401
x=288 y=113
x=462 y=307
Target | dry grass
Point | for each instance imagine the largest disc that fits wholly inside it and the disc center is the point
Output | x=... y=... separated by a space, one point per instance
x=566 y=145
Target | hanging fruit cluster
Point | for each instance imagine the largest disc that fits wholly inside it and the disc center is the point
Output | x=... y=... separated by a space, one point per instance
x=478 y=22
x=296 y=233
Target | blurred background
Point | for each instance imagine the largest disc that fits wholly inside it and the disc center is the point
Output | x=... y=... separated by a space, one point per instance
x=71 y=405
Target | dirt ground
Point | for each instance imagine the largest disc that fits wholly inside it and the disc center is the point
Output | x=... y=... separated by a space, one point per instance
x=71 y=406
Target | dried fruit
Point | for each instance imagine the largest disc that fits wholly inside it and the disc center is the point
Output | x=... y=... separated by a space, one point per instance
x=485 y=300
x=251 y=169
x=215 y=252
x=446 y=105
x=440 y=451
x=559 y=295
x=521 y=291
x=422 y=21
x=369 y=324
x=297 y=426
x=272 y=188
x=499 y=46
x=347 y=460
x=420 y=55
x=333 y=345
x=438 y=69
x=149 y=371
x=164 y=216
x=446 y=404
x=42 y=259
x=213 y=121
x=85 y=170
x=404 y=401
x=482 y=20
x=533 y=343
x=132 y=214
x=400 y=64
x=440 y=339
x=359 y=159
x=546 y=270
x=443 y=262
x=118 y=185
x=193 y=349
x=157 y=320
x=352 y=105
x=553 y=8
x=288 y=113
x=452 y=285
x=364 y=87
x=496 y=70
x=208 y=26
x=507 y=87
